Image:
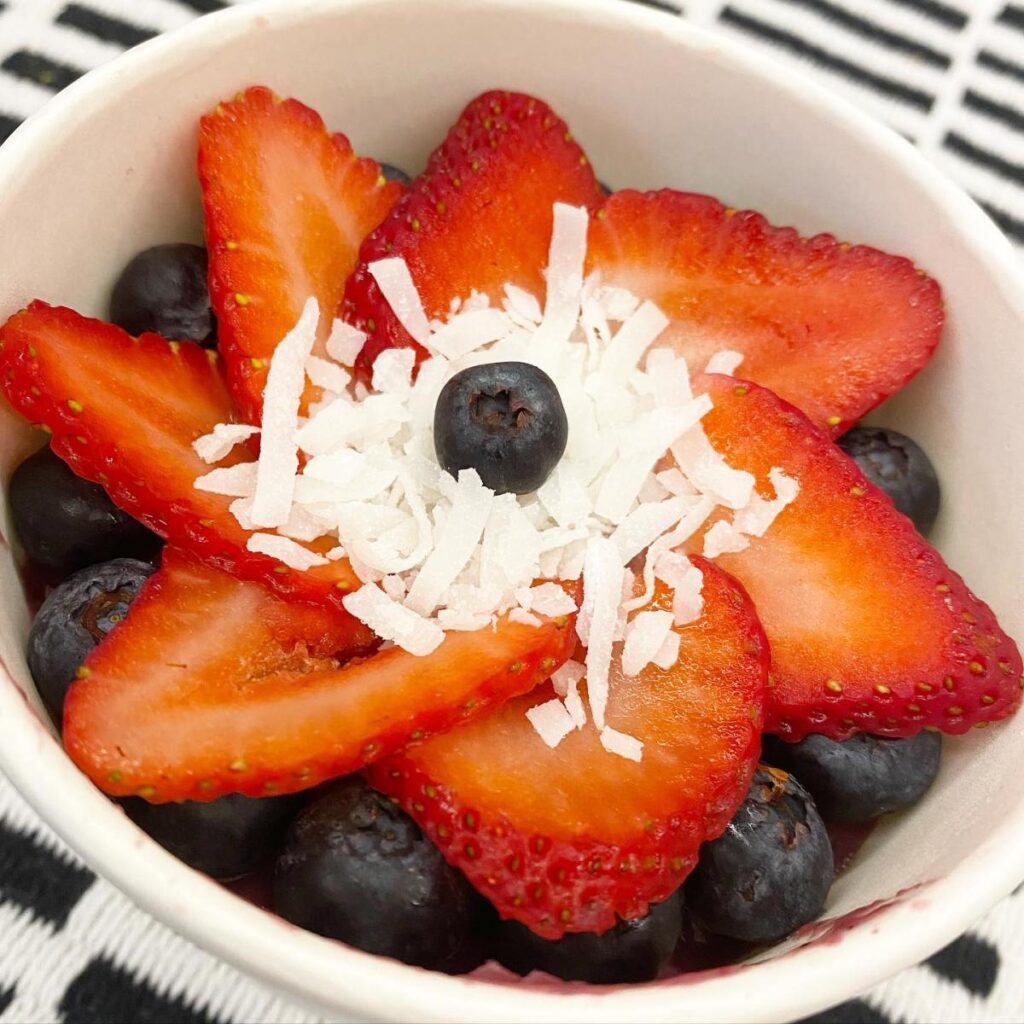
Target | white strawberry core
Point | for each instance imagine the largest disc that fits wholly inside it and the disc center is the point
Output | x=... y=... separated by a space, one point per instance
x=435 y=554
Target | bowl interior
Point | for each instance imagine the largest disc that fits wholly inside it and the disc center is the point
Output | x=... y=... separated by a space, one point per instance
x=110 y=169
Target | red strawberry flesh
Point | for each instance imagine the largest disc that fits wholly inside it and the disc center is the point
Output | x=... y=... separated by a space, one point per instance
x=124 y=412
x=287 y=206
x=566 y=839
x=830 y=327
x=869 y=629
x=214 y=686
x=478 y=218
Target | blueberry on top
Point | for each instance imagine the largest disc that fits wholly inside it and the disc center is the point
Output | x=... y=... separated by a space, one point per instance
x=506 y=421
x=898 y=465
x=862 y=777
x=65 y=523
x=393 y=173
x=771 y=869
x=356 y=868
x=74 y=618
x=224 y=838
x=632 y=951
x=164 y=290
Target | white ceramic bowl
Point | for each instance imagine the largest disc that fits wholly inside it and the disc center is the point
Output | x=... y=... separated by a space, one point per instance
x=108 y=167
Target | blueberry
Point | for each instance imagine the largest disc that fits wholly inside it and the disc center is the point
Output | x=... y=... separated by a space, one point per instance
x=393 y=173
x=163 y=289
x=898 y=466
x=224 y=838
x=65 y=523
x=506 y=421
x=356 y=868
x=771 y=869
x=862 y=777
x=631 y=951
x=74 y=619
x=606 y=190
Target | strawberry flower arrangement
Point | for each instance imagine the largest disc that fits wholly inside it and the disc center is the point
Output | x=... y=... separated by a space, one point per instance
x=520 y=498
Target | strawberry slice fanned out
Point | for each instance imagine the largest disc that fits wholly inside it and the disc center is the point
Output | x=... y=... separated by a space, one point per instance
x=124 y=412
x=478 y=218
x=869 y=629
x=567 y=839
x=830 y=327
x=287 y=206
x=214 y=686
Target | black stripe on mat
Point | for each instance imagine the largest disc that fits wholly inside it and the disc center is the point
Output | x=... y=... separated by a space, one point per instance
x=41 y=70
x=992 y=61
x=969 y=961
x=39 y=880
x=660 y=5
x=103 y=26
x=105 y=992
x=7 y=125
x=1010 y=225
x=1012 y=15
x=942 y=13
x=867 y=29
x=854 y=1012
x=203 y=6
x=1001 y=112
x=963 y=147
x=823 y=58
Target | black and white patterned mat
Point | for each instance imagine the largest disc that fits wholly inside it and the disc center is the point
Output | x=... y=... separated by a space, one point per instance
x=948 y=74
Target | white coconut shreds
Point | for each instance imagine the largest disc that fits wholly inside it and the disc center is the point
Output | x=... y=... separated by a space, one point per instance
x=638 y=479
x=216 y=445
x=724 y=361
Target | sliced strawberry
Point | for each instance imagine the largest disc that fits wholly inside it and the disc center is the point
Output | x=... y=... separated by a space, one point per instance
x=566 y=839
x=830 y=327
x=124 y=412
x=287 y=205
x=869 y=629
x=214 y=686
x=479 y=217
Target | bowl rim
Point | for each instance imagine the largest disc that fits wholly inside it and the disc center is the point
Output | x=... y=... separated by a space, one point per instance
x=324 y=973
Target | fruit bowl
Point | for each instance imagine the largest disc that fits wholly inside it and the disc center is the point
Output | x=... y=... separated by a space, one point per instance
x=108 y=168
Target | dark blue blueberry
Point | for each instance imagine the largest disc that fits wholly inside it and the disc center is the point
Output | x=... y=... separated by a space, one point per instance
x=357 y=868
x=74 y=619
x=606 y=190
x=898 y=466
x=771 y=869
x=506 y=421
x=224 y=838
x=632 y=951
x=862 y=777
x=163 y=289
x=65 y=523
x=393 y=173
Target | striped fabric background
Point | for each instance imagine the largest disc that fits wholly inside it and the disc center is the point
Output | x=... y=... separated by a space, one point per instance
x=947 y=74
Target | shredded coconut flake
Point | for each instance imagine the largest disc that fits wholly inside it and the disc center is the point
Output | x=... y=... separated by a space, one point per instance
x=602 y=589
x=524 y=618
x=344 y=343
x=725 y=361
x=620 y=743
x=567 y=675
x=393 y=621
x=233 y=481
x=218 y=444
x=723 y=539
x=279 y=457
x=395 y=282
x=645 y=635
x=295 y=556
x=551 y=721
x=327 y=374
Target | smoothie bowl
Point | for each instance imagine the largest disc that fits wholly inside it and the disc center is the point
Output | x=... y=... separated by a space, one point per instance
x=503 y=513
